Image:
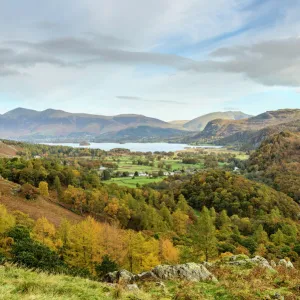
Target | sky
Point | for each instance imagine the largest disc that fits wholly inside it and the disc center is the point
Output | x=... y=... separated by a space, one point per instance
x=169 y=59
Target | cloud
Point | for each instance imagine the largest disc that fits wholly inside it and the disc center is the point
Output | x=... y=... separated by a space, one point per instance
x=271 y=63
x=131 y=98
x=72 y=51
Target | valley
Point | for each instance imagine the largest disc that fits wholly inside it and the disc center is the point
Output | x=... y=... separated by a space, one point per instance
x=86 y=212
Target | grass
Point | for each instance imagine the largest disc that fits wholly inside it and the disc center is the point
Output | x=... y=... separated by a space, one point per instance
x=16 y=284
x=235 y=283
x=131 y=182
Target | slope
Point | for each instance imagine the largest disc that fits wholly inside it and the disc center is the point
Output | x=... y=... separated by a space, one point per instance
x=141 y=133
x=200 y=122
x=219 y=129
x=41 y=207
x=277 y=162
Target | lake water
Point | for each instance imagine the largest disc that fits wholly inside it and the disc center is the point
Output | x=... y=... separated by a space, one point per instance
x=142 y=147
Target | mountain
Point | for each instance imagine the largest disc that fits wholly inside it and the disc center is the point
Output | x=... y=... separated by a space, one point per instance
x=256 y=128
x=141 y=133
x=178 y=122
x=25 y=123
x=200 y=122
x=251 y=139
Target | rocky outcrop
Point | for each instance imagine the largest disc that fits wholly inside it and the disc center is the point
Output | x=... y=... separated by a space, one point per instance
x=257 y=260
x=122 y=276
x=146 y=276
x=286 y=263
x=189 y=272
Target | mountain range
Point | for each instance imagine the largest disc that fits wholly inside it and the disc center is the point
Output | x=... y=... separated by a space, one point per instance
x=25 y=123
x=252 y=131
x=223 y=128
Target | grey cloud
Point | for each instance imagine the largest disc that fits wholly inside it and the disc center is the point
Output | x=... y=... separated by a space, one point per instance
x=271 y=63
x=70 y=51
x=4 y=72
x=47 y=25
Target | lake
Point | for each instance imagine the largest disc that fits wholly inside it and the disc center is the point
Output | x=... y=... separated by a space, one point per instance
x=142 y=147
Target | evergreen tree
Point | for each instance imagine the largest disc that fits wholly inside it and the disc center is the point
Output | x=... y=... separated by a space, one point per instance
x=58 y=188
x=205 y=235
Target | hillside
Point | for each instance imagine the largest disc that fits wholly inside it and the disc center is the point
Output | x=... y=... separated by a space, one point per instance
x=230 y=131
x=140 y=134
x=8 y=150
x=179 y=122
x=277 y=162
x=41 y=207
x=24 y=123
x=200 y=122
x=250 y=139
x=235 y=283
x=237 y=195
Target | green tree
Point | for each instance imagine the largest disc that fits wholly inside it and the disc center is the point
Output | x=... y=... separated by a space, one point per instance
x=107 y=265
x=204 y=235
x=57 y=186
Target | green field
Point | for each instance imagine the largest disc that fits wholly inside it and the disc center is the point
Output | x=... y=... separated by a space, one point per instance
x=131 y=182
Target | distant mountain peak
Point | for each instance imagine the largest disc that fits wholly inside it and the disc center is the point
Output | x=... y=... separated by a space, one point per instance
x=200 y=122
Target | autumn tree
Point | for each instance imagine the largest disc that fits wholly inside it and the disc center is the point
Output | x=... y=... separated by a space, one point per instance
x=180 y=221
x=43 y=188
x=7 y=221
x=44 y=231
x=169 y=254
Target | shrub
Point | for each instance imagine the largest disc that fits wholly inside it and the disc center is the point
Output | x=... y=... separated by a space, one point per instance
x=29 y=191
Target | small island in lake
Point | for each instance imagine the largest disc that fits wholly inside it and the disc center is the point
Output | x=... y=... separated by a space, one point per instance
x=84 y=143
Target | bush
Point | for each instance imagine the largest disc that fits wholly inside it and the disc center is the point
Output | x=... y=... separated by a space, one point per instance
x=106 y=266
x=31 y=254
x=29 y=191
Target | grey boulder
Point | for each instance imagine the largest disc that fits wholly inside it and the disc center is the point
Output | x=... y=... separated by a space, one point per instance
x=189 y=272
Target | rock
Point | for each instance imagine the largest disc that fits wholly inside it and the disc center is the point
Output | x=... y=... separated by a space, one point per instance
x=122 y=276
x=132 y=287
x=189 y=272
x=277 y=296
x=111 y=277
x=257 y=260
x=261 y=261
x=238 y=257
x=273 y=264
x=207 y=264
x=288 y=264
x=145 y=276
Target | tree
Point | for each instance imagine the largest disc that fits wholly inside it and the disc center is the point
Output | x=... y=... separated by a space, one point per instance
x=43 y=188
x=260 y=235
x=180 y=220
x=44 y=231
x=32 y=254
x=204 y=235
x=107 y=265
x=182 y=204
x=106 y=175
x=7 y=221
x=170 y=254
x=278 y=238
x=57 y=186
x=166 y=215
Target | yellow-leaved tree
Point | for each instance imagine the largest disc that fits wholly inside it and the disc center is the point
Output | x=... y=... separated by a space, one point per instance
x=43 y=188
x=7 y=220
x=44 y=231
x=85 y=244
